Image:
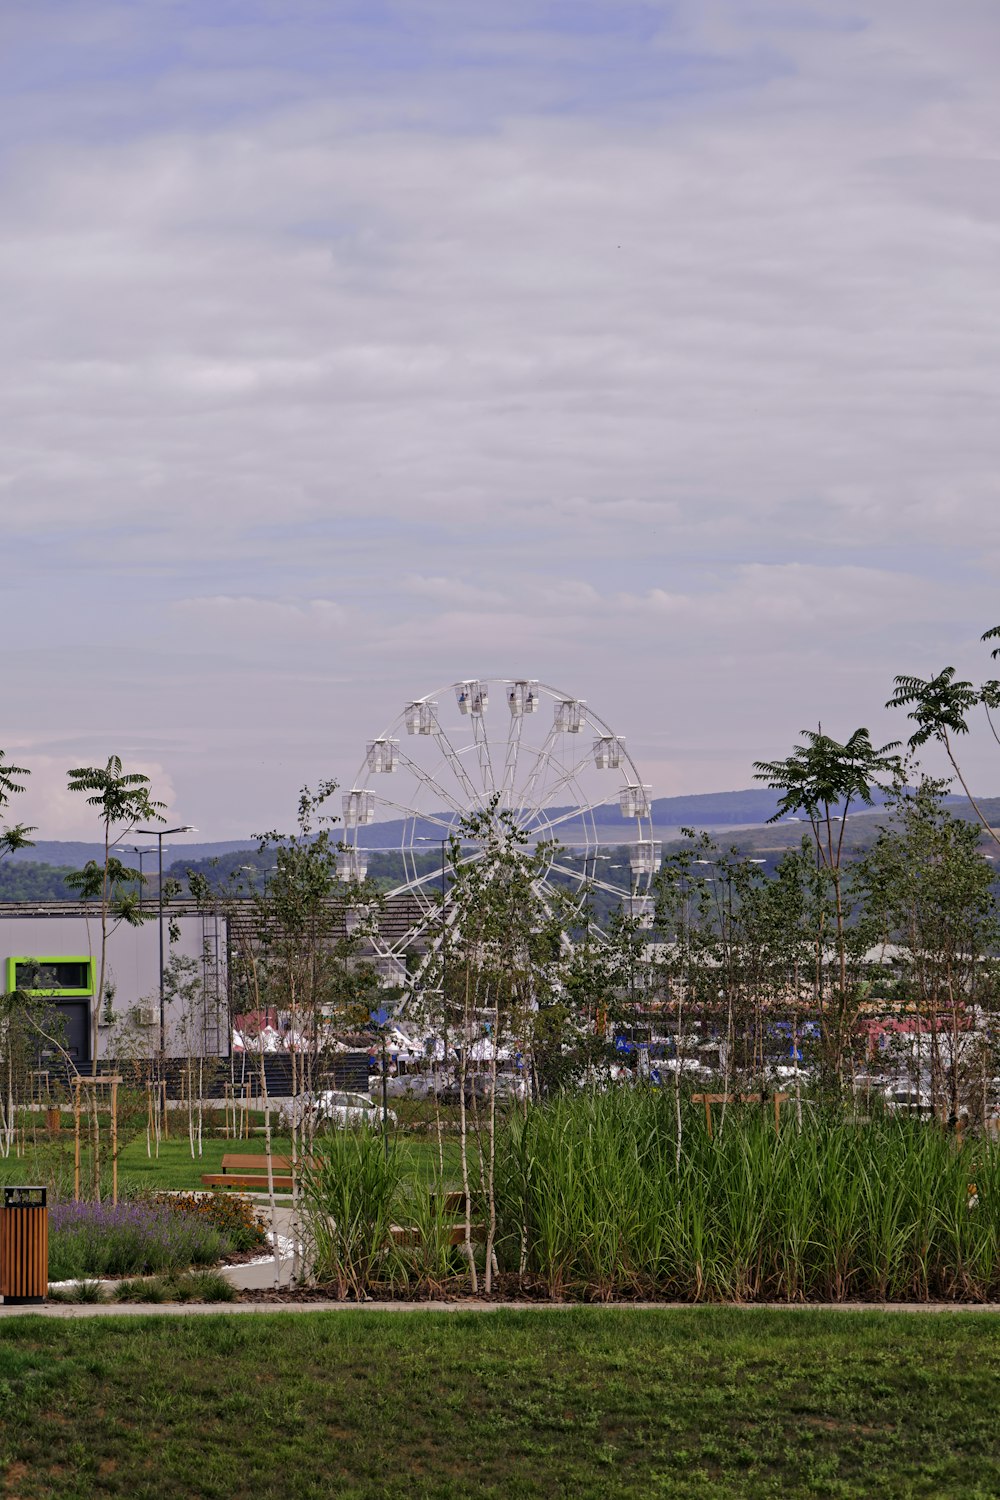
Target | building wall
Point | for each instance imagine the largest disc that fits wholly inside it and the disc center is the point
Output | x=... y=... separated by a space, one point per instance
x=133 y=968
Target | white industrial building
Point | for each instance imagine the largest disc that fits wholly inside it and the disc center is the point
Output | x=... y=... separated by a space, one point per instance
x=54 y=952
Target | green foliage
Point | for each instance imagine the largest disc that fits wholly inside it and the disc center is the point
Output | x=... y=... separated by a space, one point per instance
x=101 y=1239
x=296 y=954
x=823 y=778
x=593 y=1197
x=123 y=799
x=189 y=1286
x=350 y=1192
x=234 y=1217
x=31 y=880
x=15 y=836
x=121 y=796
x=939 y=706
x=112 y=881
x=929 y=888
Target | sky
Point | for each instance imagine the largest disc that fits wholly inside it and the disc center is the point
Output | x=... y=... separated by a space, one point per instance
x=646 y=347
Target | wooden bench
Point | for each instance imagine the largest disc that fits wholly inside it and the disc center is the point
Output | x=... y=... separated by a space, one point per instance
x=401 y=1235
x=239 y=1170
x=451 y=1203
x=709 y=1099
x=251 y=1171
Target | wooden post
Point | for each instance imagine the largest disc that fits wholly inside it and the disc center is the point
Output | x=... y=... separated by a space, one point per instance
x=114 y=1142
x=76 y=1140
x=95 y=1083
x=708 y=1115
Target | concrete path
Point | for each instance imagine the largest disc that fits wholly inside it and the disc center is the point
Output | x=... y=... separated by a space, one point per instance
x=263 y=1273
x=227 y=1309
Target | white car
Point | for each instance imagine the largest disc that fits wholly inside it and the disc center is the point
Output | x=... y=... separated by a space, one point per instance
x=339 y=1107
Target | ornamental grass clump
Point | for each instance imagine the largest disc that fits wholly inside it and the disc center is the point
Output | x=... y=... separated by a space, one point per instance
x=595 y=1203
x=350 y=1192
x=127 y=1239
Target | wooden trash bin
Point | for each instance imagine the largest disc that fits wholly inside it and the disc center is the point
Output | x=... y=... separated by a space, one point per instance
x=24 y=1245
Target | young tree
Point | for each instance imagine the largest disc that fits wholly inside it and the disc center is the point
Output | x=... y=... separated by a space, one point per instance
x=737 y=941
x=508 y=952
x=123 y=800
x=930 y=887
x=293 y=953
x=824 y=779
x=14 y=836
x=16 y=1008
x=940 y=708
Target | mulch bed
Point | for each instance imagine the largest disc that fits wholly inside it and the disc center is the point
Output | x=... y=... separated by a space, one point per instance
x=508 y=1288
x=244 y=1257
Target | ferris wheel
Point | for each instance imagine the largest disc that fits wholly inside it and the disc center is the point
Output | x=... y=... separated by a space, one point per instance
x=545 y=763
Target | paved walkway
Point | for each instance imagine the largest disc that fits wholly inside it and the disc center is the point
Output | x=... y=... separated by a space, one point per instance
x=227 y=1309
x=265 y=1272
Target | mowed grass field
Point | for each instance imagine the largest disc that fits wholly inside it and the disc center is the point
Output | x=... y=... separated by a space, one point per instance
x=174 y=1167
x=584 y=1402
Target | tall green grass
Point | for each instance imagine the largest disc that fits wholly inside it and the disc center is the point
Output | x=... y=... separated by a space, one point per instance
x=593 y=1205
x=350 y=1191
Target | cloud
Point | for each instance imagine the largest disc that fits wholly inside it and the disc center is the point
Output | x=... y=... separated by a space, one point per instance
x=652 y=346
x=57 y=813
x=222 y=615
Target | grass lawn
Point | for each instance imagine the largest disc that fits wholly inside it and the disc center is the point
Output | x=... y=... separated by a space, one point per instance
x=588 y=1402
x=175 y=1167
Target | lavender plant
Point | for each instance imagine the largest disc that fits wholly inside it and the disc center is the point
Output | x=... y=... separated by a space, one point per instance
x=127 y=1239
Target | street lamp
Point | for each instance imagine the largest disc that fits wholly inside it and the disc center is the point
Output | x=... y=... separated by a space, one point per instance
x=134 y=849
x=160 y=834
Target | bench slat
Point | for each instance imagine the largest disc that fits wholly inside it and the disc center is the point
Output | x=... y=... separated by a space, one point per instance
x=410 y=1235
x=243 y=1163
x=245 y=1179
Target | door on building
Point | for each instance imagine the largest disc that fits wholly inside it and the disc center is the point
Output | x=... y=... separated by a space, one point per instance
x=70 y=1026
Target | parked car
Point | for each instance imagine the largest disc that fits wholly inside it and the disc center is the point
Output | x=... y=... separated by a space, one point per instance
x=338 y=1107
x=478 y=1088
x=909 y=1100
x=407 y=1086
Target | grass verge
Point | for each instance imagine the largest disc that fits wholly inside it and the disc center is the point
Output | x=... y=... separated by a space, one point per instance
x=589 y=1402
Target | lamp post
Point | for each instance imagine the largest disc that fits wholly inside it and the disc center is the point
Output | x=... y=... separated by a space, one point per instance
x=160 y=834
x=134 y=849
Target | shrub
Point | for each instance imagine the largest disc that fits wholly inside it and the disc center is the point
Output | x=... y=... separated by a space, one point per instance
x=235 y=1218
x=129 y=1239
x=190 y=1286
x=82 y=1291
x=150 y=1289
x=201 y=1286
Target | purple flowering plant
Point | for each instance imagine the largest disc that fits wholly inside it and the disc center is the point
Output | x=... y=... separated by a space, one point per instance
x=127 y=1239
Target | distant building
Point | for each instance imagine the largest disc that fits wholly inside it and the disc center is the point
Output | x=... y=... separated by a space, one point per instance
x=53 y=951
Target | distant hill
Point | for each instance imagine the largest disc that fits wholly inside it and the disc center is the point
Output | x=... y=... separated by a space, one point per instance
x=750 y=808
x=72 y=855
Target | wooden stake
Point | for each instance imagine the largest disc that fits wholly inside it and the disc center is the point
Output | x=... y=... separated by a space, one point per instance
x=76 y=1140
x=114 y=1142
